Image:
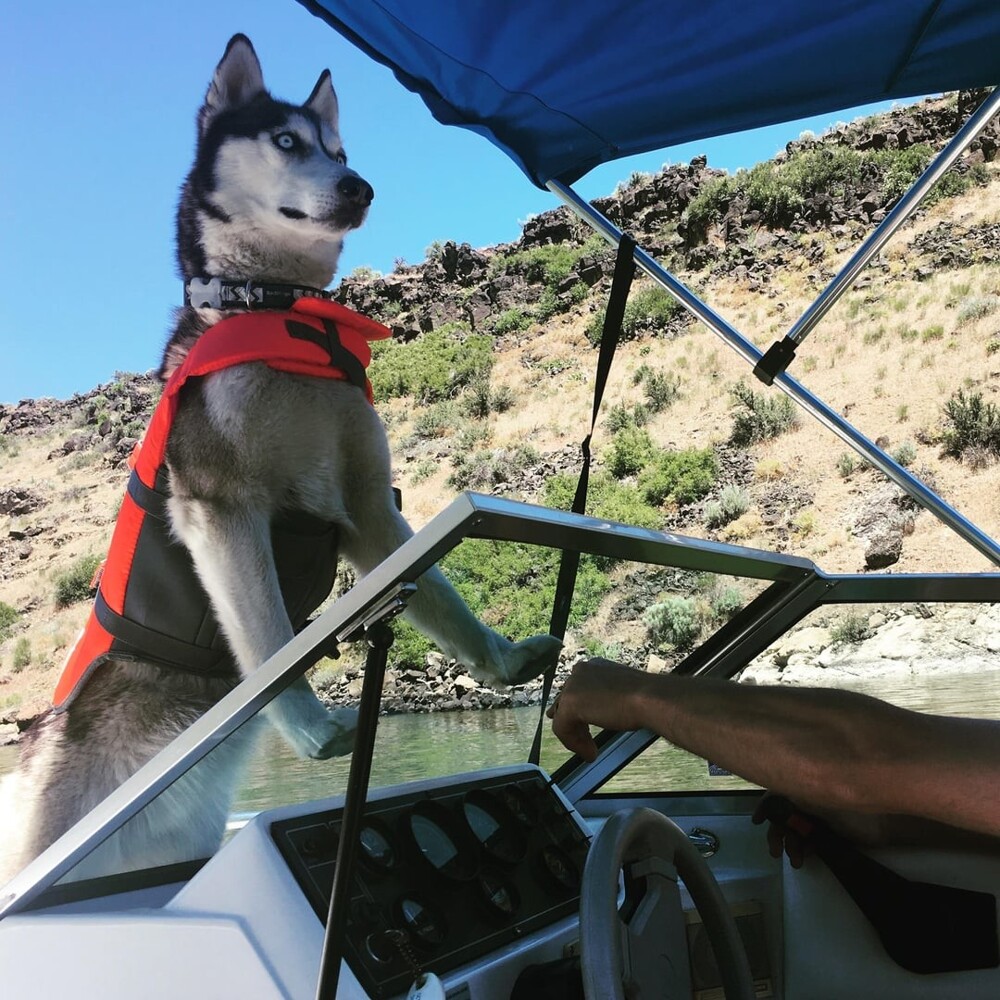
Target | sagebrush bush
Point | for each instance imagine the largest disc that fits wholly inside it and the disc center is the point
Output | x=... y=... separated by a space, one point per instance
x=481 y=398
x=724 y=602
x=621 y=416
x=760 y=417
x=846 y=464
x=851 y=629
x=733 y=501
x=661 y=390
x=8 y=618
x=74 y=584
x=485 y=469
x=674 y=622
x=22 y=654
x=432 y=367
x=438 y=420
x=971 y=423
x=682 y=476
x=904 y=454
x=977 y=308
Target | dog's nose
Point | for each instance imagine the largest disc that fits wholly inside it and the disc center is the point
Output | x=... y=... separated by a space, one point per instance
x=355 y=189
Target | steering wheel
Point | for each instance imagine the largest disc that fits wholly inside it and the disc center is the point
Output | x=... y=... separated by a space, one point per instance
x=640 y=952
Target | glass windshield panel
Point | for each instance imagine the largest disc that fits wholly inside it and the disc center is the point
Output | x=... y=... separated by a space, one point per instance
x=935 y=658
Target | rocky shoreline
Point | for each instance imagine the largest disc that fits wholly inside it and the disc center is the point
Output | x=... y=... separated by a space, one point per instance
x=911 y=640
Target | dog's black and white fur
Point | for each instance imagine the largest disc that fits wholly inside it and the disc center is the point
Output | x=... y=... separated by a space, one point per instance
x=269 y=199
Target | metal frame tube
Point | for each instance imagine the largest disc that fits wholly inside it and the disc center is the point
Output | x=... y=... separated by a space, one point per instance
x=900 y=212
x=813 y=405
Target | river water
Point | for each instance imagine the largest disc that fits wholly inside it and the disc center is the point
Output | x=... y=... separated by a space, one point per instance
x=411 y=747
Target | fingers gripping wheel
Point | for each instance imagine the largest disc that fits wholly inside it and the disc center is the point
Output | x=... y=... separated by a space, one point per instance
x=641 y=951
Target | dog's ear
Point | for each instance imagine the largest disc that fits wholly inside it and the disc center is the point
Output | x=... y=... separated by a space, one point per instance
x=238 y=79
x=323 y=100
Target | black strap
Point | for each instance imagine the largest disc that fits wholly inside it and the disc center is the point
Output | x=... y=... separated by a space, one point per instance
x=569 y=563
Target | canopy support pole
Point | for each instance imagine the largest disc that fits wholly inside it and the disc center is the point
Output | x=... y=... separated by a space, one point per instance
x=812 y=404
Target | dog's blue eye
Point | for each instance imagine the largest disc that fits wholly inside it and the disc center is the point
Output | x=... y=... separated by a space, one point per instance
x=285 y=140
x=341 y=158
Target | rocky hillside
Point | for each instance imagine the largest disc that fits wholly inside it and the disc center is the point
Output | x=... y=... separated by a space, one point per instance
x=487 y=384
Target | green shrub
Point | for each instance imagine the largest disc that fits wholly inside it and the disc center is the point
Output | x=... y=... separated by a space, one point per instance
x=851 y=629
x=607 y=499
x=631 y=449
x=682 y=476
x=759 y=417
x=512 y=321
x=675 y=622
x=434 y=366
x=549 y=264
x=649 y=310
x=436 y=421
x=501 y=399
x=481 y=399
x=74 y=584
x=8 y=618
x=971 y=424
x=733 y=501
x=620 y=417
x=660 y=389
x=22 y=654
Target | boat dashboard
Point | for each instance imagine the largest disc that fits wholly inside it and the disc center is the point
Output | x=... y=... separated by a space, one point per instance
x=473 y=877
x=445 y=876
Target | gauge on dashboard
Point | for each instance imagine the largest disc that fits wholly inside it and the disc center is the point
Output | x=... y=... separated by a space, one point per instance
x=560 y=869
x=519 y=805
x=499 y=895
x=494 y=826
x=424 y=922
x=442 y=841
x=378 y=850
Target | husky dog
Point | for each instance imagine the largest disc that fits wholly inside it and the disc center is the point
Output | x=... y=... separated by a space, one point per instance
x=269 y=199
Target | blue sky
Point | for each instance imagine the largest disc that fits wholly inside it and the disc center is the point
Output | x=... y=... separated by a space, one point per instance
x=98 y=131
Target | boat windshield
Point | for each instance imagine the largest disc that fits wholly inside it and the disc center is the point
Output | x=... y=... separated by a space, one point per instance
x=648 y=597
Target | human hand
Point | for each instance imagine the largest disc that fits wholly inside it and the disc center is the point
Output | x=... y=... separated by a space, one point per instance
x=600 y=693
x=788 y=829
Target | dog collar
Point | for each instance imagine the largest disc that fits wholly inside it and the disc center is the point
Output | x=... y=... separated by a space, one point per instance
x=219 y=293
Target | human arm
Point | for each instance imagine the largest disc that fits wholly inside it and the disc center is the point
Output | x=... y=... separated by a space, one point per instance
x=826 y=749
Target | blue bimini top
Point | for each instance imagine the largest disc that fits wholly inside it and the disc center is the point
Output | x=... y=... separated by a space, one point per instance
x=564 y=85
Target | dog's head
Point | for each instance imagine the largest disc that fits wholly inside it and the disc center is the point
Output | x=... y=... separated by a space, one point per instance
x=270 y=195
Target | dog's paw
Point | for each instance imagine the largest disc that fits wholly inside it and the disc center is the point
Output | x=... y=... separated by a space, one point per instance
x=522 y=661
x=335 y=738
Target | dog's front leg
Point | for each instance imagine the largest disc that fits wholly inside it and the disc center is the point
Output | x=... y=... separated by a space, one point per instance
x=438 y=610
x=231 y=550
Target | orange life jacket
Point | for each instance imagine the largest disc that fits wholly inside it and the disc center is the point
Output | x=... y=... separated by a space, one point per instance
x=150 y=604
